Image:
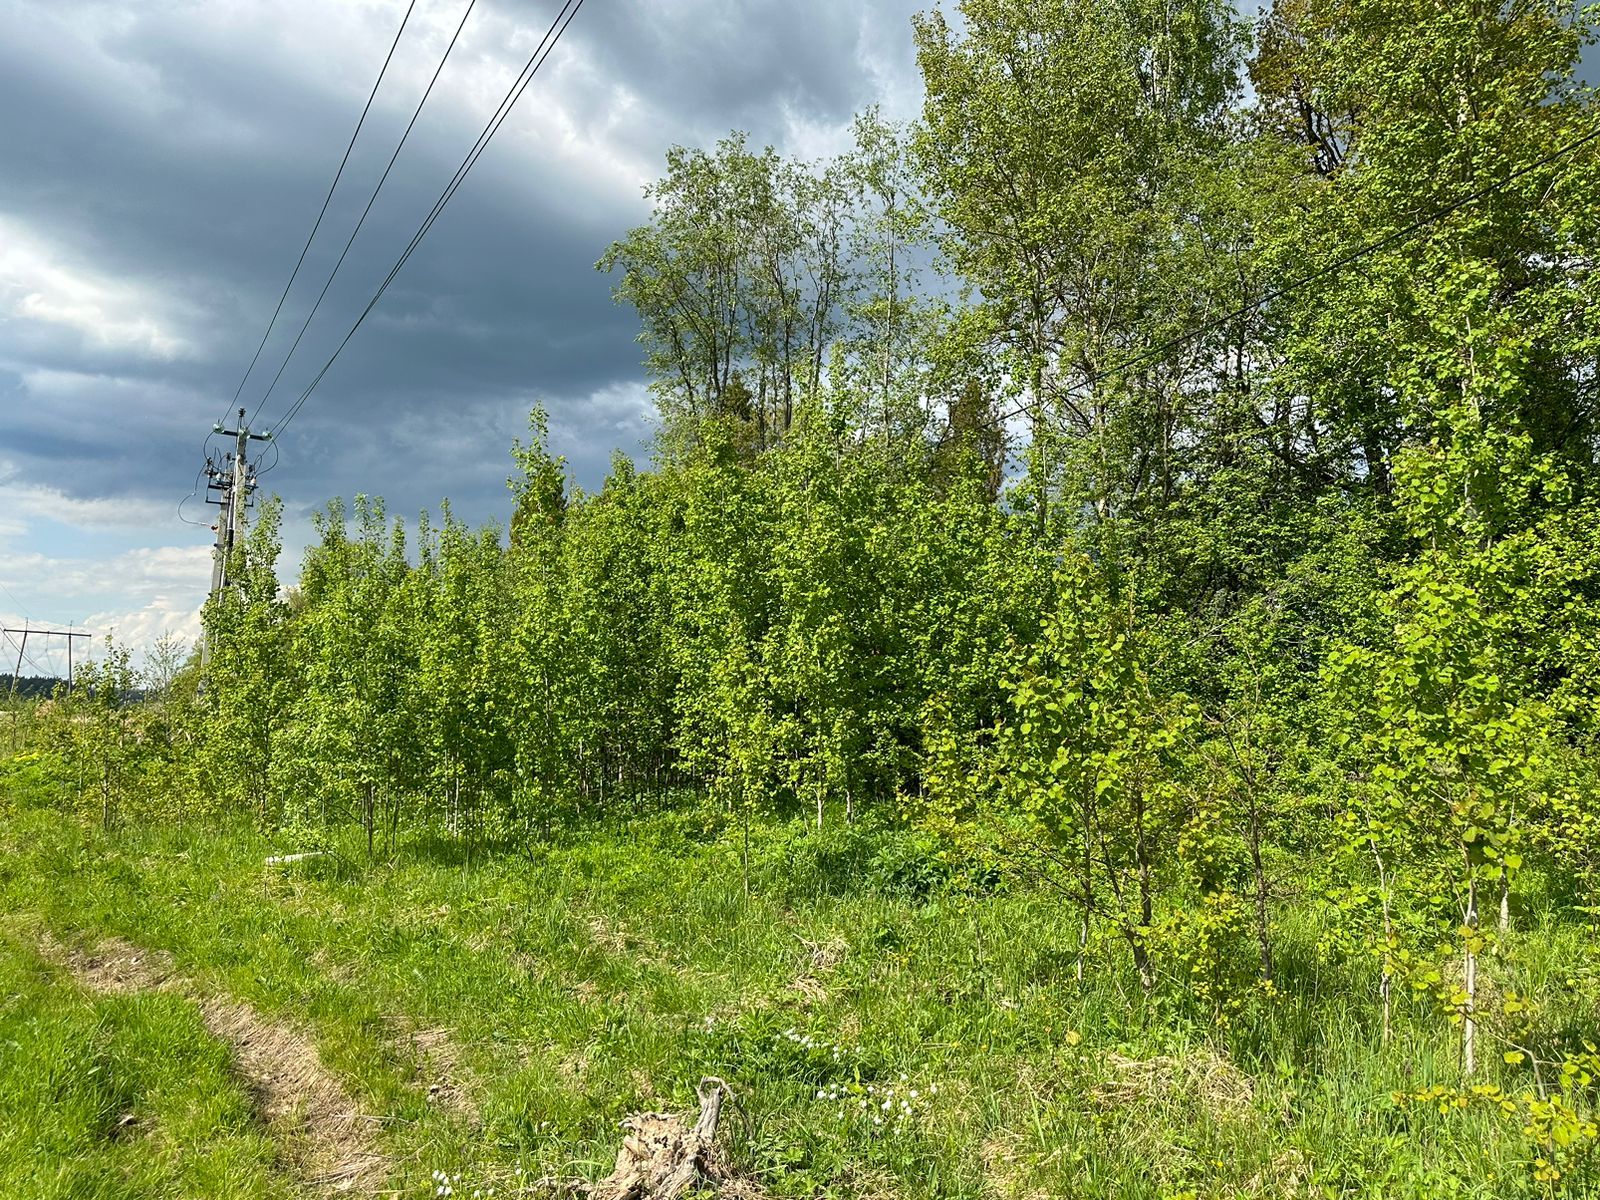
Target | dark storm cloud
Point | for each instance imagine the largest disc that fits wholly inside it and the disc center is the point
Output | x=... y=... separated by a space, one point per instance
x=173 y=156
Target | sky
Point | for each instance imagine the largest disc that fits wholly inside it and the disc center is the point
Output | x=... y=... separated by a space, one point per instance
x=164 y=161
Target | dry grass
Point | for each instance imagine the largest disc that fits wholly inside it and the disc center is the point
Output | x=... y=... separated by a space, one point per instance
x=826 y=954
x=115 y=967
x=1204 y=1076
x=820 y=959
x=612 y=936
x=439 y=1061
x=1005 y=1164
x=810 y=989
x=1287 y=1175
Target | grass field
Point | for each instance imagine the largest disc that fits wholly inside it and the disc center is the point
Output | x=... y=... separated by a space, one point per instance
x=494 y=1023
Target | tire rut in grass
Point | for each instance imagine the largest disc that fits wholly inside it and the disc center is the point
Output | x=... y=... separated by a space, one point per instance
x=328 y=1140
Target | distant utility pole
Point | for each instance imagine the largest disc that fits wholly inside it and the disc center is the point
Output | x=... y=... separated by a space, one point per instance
x=234 y=486
x=28 y=631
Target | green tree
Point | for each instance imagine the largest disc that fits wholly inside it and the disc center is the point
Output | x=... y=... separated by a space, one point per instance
x=1090 y=756
x=249 y=685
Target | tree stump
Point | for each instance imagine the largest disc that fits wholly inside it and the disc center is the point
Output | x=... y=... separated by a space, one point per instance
x=661 y=1158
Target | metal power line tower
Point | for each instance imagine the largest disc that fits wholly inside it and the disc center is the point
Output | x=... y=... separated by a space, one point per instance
x=29 y=630
x=234 y=485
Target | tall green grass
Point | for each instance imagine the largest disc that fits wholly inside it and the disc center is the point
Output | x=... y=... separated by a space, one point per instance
x=606 y=972
x=117 y=1097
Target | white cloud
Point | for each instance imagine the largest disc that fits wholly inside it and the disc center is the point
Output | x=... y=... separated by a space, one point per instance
x=20 y=502
x=618 y=412
x=136 y=597
x=38 y=284
x=146 y=573
x=140 y=629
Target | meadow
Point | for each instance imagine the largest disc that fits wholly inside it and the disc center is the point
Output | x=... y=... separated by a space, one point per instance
x=886 y=1027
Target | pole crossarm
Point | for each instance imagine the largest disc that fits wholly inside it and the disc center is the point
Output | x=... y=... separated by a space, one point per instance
x=30 y=630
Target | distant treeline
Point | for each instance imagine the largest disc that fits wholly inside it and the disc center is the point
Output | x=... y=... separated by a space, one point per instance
x=32 y=687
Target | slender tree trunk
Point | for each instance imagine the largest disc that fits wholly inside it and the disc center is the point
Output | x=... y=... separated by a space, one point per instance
x=1263 y=927
x=1141 y=953
x=744 y=861
x=1041 y=467
x=1377 y=466
x=1469 y=973
x=1504 y=924
x=1386 y=979
x=888 y=342
x=1088 y=892
x=366 y=820
x=1141 y=958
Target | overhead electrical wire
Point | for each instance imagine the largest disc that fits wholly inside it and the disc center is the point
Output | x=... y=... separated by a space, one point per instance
x=20 y=607
x=193 y=492
x=1080 y=390
x=365 y=212
x=22 y=653
x=558 y=27
x=294 y=274
x=541 y=52
x=326 y=201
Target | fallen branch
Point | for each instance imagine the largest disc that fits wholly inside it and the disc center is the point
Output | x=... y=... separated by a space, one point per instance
x=281 y=860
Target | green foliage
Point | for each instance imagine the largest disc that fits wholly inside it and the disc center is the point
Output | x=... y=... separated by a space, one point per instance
x=118 y=1096
x=1262 y=660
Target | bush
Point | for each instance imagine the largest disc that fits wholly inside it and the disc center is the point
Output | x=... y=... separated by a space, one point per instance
x=799 y=859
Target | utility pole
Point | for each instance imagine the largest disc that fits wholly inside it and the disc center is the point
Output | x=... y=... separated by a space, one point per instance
x=234 y=486
x=28 y=631
x=22 y=648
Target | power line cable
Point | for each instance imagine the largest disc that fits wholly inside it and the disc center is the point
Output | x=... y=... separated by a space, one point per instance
x=39 y=672
x=304 y=250
x=558 y=27
x=564 y=17
x=1337 y=264
x=323 y=212
x=373 y=199
x=193 y=492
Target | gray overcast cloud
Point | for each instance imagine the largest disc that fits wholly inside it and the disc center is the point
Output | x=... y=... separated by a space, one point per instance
x=164 y=161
